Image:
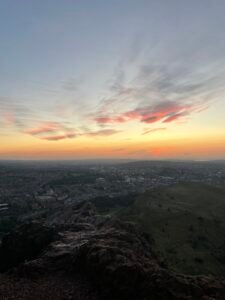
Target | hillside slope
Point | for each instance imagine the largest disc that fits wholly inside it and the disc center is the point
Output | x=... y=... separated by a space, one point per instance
x=187 y=224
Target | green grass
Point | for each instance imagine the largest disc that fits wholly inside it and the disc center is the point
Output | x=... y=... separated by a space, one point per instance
x=187 y=224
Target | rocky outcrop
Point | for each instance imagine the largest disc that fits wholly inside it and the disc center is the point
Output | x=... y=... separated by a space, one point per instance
x=26 y=242
x=113 y=255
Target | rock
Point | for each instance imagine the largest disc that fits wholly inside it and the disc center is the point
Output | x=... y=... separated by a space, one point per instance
x=113 y=255
x=26 y=242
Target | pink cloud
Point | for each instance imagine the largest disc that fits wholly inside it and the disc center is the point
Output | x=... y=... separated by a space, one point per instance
x=44 y=128
x=106 y=120
x=55 y=131
x=8 y=118
x=51 y=131
x=167 y=111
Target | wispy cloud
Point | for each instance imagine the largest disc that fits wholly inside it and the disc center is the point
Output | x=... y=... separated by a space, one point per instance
x=176 y=116
x=167 y=111
x=20 y=113
x=113 y=119
x=51 y=131
x=103 y=132
x=150 y=94
x=8 y=118
x=44 y=128
x=147 y=131
x=59 y=137
x=158 y=94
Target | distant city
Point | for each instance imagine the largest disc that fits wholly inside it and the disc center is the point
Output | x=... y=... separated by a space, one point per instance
x=32 y=186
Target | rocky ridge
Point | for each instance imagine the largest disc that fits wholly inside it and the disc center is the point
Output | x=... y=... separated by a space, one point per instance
x=90 y=256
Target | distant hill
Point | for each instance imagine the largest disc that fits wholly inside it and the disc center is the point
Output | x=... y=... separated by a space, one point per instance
x=187 y=224
x=171 y=162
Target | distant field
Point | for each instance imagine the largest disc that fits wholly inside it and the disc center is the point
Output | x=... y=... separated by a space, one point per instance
x=187 y=224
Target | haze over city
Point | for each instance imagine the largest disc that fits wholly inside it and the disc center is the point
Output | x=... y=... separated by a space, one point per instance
x=112 y=79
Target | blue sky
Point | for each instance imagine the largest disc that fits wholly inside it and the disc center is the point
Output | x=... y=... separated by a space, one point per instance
x=66 y=65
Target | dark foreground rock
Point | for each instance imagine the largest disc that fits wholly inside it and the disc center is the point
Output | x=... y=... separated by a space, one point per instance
x=48 y=287
x=76 y=253
x=24 y=243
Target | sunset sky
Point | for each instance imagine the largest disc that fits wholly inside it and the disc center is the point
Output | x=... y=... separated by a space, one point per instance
x=112 y=79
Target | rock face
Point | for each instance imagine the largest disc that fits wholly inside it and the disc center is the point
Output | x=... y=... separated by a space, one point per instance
x=24 y=243
x=113 y=255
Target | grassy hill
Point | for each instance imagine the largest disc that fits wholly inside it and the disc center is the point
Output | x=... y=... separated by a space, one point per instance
x=187 y=224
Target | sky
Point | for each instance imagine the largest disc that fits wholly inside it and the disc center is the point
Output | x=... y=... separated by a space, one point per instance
x=112 y=79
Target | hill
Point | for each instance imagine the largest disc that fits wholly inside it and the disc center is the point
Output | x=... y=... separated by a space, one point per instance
x=186 y=222
x=75 y=253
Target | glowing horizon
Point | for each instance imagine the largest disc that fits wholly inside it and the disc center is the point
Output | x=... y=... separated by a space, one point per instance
x=122 y=79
